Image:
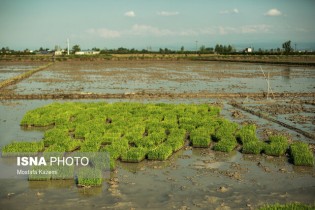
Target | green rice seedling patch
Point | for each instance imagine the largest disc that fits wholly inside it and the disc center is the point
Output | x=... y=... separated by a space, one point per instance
x=62 y=172
x=117 y=148
x=277 y=147
x=40 y=173
x=162 y=152
x=56 y=136
x=88 y=176
x=227 y=143
x=301 y=154
x=22 y=148
x=134 y=155
x=288 y=206
x=132 y=131
x=253 y=147
x=225 y=128
x=176 y=142
x=247 y=136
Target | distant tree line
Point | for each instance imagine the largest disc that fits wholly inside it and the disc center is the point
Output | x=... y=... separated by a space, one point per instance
x=218 y=49
x=224 y=49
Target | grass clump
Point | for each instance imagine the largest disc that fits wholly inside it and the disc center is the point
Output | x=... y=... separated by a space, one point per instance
x=277 y=147
x=22 y=148
x=301 y=154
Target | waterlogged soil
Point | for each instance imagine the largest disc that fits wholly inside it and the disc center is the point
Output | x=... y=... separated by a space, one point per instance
x=129 y=77
x=191 y=179
x=12 y=69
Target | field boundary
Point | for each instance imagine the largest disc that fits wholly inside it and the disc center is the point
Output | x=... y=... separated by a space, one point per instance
x=266 y=117
x=20 y=77
x=144 y=95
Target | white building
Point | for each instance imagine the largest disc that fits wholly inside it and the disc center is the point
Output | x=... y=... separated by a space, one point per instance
x=58 y=52
x=248 y=50
x=87 y=52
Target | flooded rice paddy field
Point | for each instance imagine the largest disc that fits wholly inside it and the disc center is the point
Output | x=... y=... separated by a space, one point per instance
x=192 y=178
x=11 y=69
x=118 y=77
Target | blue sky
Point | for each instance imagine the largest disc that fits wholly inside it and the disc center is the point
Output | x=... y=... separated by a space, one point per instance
x=160 y=23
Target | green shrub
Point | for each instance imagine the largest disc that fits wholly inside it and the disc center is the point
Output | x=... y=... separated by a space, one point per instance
x=301 y=154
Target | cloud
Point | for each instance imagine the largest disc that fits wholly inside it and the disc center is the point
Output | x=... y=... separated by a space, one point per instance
x=226 y=30
x=235 y=10
x=149 y=30
x=248 y=29
x=104 y=33
x=165 y=13
x=130 y=14
x=273 y=12
x=232 y=11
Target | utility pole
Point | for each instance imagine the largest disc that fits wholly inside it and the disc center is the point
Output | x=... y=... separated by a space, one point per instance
x=294 y=47
x=68 y=45
x=196 y=47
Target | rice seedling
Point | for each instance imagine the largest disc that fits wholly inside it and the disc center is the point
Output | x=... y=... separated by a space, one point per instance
x=134 y=155
x=278 y=146
x=88 y=176
x=288 y=206
x=247 y=136
x=117 y=148
x=162 y=152
x=253 y=147
x=90 y=146
x=225 y=128
x=301 y=154
x=62 y=172
x=227 y=143
x=22 y=148
x=55 y=136
x=40 y=173
x=200 y=141
x=176 y=142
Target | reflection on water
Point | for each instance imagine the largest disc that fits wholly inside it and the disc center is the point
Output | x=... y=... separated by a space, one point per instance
x=286 y=74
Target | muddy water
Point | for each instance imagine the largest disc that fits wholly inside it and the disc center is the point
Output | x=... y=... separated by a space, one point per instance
x=191 y=178
x=174 y=77
x=9 y=69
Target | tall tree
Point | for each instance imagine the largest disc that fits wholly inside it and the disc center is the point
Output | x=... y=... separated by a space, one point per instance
x=76 y=48
x=287 y=46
